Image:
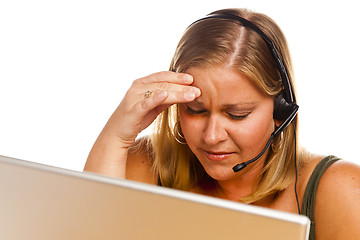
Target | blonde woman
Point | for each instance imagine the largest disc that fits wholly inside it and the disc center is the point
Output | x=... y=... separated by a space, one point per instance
x=215 y=109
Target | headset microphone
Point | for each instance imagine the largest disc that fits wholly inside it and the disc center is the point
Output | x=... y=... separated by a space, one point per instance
x=285 y=107
x=240 y=166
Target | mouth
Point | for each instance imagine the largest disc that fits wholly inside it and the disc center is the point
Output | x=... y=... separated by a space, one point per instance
x=217 y=156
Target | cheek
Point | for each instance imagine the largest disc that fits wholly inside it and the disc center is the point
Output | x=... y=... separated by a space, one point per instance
x=254 y=132
x=192 y=129
x=189 y=125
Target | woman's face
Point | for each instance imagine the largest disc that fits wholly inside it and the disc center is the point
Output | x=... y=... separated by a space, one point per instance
x=229 y=123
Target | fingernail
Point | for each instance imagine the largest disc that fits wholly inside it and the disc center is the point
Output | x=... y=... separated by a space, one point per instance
x=189 y=95
x=188 y=78
x=196 y=91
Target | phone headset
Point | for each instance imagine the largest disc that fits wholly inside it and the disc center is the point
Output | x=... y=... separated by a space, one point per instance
x=285 y=107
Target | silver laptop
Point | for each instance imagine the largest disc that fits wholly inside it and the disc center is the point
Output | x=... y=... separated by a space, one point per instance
x=41 y=202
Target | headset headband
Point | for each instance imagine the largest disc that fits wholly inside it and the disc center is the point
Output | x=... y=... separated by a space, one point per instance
x=288 y=94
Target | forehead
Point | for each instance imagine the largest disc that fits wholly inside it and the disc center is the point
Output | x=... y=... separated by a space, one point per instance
x=224 y=85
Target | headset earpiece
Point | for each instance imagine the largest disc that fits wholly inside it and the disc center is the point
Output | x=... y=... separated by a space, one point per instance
x=282 y=109
x=284 y=112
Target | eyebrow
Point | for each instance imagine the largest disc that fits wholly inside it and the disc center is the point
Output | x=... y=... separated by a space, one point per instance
x=234 y=105
x=250 y=104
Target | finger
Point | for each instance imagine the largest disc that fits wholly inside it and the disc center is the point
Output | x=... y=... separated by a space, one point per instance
x=157 y=98
x=167 y=76
x=174 y=94
x=188 y=94
x=183 y=95
x=168 y=98
x=175 y=90
x=171 y=87
x=151 y=106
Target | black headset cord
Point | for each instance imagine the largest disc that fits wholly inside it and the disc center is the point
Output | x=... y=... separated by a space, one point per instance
x=296 y=171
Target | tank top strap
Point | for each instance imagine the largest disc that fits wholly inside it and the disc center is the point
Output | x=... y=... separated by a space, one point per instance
x=308 y=204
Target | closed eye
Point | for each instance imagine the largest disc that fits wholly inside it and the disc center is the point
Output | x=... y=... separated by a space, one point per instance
x=201 y=111
x=238 y=117
x=194 y=112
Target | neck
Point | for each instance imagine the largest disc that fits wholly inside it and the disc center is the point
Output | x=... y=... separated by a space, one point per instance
x=241 y=185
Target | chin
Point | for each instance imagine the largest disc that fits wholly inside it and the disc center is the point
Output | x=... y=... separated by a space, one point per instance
x=220 y=173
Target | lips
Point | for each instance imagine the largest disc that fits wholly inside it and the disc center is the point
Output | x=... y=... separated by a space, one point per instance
x=217 y=156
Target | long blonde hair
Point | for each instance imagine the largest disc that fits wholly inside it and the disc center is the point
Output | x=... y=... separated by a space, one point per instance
x=214 y=42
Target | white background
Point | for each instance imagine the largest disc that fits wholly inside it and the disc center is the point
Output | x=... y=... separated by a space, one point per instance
x=65 y=66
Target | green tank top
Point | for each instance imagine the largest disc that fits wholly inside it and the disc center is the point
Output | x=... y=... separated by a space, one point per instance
x=308 y=205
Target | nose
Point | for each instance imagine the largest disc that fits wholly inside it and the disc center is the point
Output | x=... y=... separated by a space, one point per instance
x=214 y=132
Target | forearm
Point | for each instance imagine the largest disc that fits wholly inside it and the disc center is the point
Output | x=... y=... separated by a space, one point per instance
x=135 y=113
x=107 y=157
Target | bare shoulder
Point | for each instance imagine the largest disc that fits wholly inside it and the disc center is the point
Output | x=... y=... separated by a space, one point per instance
x=140 y=161
x=337 y=208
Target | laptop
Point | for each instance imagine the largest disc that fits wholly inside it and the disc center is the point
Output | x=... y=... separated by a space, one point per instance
x=40 y=202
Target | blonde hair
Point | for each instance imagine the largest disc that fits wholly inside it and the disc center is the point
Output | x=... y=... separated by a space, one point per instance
x=214 y=42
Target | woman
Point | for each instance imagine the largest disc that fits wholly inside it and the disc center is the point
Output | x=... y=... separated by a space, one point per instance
x=215 y=109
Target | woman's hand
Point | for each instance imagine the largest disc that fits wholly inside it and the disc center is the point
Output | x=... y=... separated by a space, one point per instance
x=138 y=110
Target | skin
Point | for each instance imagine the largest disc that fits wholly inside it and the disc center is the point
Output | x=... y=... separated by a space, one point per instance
x=228 y=124
x=220 y=141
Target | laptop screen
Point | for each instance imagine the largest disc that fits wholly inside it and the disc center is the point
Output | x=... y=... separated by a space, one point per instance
x=44 y=202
